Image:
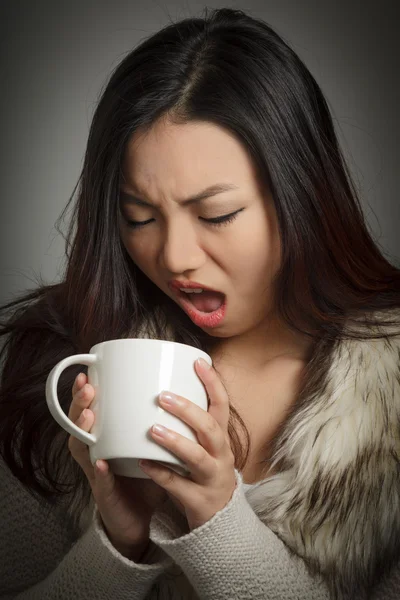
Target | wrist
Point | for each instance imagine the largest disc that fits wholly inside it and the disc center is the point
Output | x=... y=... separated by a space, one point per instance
x=132 y=552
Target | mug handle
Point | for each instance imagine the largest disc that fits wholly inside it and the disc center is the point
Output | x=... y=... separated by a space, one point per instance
x=52 y=396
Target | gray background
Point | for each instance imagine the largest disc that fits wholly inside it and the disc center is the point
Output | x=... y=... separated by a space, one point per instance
x=56 y=56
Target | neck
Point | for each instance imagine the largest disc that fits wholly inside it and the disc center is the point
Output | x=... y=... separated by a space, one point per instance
x=261 y=345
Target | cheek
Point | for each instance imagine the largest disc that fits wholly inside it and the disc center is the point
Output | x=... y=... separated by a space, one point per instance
x=139 y=251
x=255 y=251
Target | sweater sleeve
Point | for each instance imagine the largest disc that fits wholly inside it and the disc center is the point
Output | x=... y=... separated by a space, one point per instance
x=39 y=560
x=235 y=555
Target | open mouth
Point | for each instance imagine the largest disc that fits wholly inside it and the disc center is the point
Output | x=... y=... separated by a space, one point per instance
x=206 y=301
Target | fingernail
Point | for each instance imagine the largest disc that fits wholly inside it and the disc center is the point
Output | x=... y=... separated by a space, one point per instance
x=144 y=464
x=160 y=430
x=101 y=466
x=203 y=363
x=168 y=398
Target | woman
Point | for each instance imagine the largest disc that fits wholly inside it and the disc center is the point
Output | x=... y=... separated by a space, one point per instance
x=304 y=392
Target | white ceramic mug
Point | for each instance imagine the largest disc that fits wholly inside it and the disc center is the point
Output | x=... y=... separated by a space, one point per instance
x=127 y=376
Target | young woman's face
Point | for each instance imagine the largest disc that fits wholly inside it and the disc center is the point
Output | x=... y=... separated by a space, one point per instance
x=238 y=258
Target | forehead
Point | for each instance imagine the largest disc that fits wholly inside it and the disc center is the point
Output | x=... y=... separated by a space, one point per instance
x=183 y=159
x=212 y=191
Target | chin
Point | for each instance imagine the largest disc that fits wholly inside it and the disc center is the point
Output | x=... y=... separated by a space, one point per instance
x=217 y=333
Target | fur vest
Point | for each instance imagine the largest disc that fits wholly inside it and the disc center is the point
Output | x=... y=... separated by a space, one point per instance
x=335 y=499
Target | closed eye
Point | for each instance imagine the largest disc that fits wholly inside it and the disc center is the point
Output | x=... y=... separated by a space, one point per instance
x=216 y=222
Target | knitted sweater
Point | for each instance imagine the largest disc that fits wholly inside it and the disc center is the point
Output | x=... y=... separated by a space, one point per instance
x=232 y=556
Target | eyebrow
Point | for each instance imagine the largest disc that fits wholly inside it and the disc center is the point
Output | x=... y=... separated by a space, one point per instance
x=208 y=192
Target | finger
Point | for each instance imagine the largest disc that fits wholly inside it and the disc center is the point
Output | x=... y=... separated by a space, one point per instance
x=105 y=484
x=79 y=382
x=179 y=486
x=78 y=449
x=218 y=396
x=81 y=400
x=209 y=433
x=201 y=465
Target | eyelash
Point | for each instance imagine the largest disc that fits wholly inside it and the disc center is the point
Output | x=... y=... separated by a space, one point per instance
x=217 y=222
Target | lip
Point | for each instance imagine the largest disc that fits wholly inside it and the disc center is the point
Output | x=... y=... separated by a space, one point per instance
x=175 y=284
x=200 y=318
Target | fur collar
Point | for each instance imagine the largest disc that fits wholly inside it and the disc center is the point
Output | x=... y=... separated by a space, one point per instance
x=335 y=499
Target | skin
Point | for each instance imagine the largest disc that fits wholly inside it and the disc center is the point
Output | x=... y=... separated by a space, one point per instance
x=164 y=167
x=167 y=165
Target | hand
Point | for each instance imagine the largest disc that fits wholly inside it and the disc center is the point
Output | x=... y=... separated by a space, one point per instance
x=125 y=504
x=211 y=461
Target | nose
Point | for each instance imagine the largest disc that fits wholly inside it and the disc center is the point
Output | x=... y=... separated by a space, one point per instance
x=181 y=250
